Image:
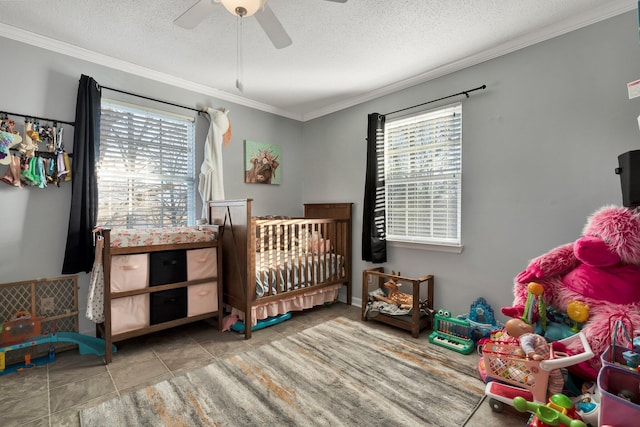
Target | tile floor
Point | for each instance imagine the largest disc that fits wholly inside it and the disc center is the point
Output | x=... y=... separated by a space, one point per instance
x=51 y=395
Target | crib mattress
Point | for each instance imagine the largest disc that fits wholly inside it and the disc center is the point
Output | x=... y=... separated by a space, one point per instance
x=160 y=236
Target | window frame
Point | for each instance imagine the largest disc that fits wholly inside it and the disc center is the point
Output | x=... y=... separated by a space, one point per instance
x=445 y=144
x=165 y=182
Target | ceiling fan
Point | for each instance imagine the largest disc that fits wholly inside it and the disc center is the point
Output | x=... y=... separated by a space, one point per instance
x=241 y=8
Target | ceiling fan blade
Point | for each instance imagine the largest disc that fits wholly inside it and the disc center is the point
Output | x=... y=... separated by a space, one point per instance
x=272 y=27
x=196 y=14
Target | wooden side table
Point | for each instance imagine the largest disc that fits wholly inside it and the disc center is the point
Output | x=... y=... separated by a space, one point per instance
x=416 y=320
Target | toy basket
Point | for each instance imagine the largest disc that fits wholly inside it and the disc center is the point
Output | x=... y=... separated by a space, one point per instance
x=621 y=351
x=614 y=355
x=619 y=396
x=504 y=362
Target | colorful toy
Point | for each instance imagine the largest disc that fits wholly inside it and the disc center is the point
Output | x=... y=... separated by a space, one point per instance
x=7 y=140
x=559 y=411
x=20 y=327
x=511 y=374
x=578 y=312
x=535 y=347
x=395 y=297
x=262 y=323
x=482 y=320
x=601 y=269
x=632 y=357
x=454 y=334
x=588 y=403
x=481 y=312
x=623 y=351
x=534 y=292
x=559 y=325
x=86 y=345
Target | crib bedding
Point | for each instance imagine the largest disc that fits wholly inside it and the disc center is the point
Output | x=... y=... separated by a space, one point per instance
x=312 y=298
x=278 y=270
x=121 y=238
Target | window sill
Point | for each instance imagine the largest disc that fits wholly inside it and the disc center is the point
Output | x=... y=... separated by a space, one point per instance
x=454 y=249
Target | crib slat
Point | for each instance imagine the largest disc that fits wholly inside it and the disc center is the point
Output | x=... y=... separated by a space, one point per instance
x=299 y=253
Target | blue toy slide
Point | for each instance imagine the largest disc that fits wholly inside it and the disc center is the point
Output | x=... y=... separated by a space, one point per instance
x=86 y=345
x=239 y=325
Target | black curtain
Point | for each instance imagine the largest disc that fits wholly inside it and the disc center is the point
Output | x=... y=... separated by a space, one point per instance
x=374 y=245
x=79 y=253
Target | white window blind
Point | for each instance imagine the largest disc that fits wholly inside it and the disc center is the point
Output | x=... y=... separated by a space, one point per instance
x=146 y=170
x=423 y=174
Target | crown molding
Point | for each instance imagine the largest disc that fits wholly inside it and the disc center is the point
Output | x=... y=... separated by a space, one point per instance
x=597 y=15
x=579 y=21
x=68 y=49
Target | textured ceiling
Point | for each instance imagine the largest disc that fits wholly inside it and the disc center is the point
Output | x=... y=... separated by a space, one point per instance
x=342 y=53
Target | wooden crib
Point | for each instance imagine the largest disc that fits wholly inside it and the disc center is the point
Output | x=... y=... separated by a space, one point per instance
x=274 y=265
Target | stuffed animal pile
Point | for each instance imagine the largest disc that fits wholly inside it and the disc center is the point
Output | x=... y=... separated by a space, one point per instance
x=600 y=269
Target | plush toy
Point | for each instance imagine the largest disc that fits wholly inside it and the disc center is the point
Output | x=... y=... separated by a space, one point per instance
x=601 y=269
x=7 y=140
x=395 y=297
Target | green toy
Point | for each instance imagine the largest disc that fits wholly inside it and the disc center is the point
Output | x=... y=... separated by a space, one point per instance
x=546 y=414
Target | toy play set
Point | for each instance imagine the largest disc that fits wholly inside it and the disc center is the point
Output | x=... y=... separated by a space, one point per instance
x=580 y=304
x=510 y=373
x=24 y=331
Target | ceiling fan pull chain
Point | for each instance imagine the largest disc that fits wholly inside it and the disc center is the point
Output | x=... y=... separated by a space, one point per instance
x=239 y=76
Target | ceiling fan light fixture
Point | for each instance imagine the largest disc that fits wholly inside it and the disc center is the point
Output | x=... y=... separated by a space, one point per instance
x=249 y=7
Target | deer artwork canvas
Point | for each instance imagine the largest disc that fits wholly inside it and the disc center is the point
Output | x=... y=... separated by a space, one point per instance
x=262 y=163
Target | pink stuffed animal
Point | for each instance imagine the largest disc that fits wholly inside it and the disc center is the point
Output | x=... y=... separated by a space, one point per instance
x=600 y=269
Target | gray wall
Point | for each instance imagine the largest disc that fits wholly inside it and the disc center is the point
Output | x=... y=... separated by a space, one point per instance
x=45 y=84
x=540 y=146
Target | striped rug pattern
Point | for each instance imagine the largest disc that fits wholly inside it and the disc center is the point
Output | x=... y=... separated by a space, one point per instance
x=339 y=373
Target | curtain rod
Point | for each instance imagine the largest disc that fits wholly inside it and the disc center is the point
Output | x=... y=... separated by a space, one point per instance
x=464 y=92
x=36 y=118
x=151 y=99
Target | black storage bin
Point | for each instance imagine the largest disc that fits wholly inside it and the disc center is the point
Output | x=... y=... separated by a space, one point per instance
x=168 y=305
x=629 y=172
x=167 y=267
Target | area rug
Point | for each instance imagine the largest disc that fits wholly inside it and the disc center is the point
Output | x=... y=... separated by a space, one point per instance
x=338 y=373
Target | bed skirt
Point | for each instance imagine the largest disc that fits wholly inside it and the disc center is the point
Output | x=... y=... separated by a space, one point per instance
x=293 y=303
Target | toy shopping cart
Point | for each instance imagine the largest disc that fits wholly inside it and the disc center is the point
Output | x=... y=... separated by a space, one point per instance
x=509 y=374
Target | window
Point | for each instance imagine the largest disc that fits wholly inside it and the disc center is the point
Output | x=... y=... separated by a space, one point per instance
x=146 y=173
x=423 y=177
